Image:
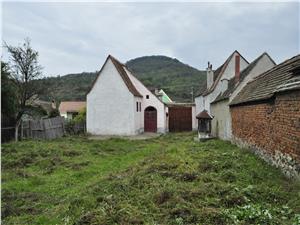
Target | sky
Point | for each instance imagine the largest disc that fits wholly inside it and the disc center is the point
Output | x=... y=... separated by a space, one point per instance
x=73 y=37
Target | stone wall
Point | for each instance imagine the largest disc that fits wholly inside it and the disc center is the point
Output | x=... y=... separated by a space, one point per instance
x=271 y=129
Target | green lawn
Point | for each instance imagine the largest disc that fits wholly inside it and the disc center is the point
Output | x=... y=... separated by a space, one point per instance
x=168 y=180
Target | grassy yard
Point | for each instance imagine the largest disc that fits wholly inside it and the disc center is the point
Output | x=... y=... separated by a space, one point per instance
x=168 y=180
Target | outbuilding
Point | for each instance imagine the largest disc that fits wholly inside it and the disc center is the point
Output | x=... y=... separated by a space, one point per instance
x=266 y=116
x=119 y=104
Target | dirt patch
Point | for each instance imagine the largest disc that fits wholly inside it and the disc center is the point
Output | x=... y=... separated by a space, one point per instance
x=86 y=219
x=78 y=166
x=71 y=153
x=233 y=200
x=212 y=216
x=207 y=167
x=15 y=204
x=187 y=177
x=49 y=165
x=162 y=197
x=161 y=167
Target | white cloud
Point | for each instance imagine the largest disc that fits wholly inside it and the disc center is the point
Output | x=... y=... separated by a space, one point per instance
x=75 y=37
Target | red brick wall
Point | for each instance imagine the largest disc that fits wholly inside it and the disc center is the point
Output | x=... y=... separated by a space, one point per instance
x=270 y=126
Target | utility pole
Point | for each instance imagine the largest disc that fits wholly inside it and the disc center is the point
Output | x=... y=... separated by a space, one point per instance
x=192 y=93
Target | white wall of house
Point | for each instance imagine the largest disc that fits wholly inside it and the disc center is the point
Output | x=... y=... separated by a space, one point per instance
x=162 y=125
x=199 y=106
x=230 y=69
x=64 y=115
x=264 y=64
x=110 y=105
x=203 y=102
x=221 y=123
x=194 y=119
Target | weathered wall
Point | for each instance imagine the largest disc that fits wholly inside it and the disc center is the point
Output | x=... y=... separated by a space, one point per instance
x=272 y=130
x=110 y=105
x=221 y=123
x=264 y=64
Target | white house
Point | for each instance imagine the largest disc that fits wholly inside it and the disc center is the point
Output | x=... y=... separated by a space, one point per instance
x=119 y=104
x=217 y=80
x=221 y=123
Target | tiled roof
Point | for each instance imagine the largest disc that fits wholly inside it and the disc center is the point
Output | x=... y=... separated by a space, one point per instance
x=71 y=106
x=204 y=115
x=244 y=73
x=265 y=85
x=120 y=68
x=124 y=75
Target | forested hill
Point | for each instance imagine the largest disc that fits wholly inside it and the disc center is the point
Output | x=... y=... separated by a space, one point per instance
x=176 y=78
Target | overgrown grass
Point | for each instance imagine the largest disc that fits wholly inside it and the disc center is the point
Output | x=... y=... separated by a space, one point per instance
x=168 y=180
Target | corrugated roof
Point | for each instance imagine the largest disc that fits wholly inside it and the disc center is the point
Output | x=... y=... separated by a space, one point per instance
x=265 y=85
x=244 y=73
x=71 y=106
x=120 y=68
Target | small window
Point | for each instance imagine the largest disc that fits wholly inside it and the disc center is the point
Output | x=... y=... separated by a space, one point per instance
x=137 y=106
x=140 y=107
x=147 y=96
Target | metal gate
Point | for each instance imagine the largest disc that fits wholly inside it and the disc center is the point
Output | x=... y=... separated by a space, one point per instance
x=180 y=118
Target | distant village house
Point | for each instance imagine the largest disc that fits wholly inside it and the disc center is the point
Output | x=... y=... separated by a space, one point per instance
x=69 y=109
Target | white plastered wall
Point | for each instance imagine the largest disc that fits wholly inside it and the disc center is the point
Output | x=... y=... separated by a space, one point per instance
x=110 y=105
x=162 y=123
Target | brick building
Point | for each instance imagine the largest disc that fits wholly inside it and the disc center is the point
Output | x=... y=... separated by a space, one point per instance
x=266 y=116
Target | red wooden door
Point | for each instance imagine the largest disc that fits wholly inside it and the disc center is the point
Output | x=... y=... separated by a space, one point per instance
x=150 y=119
x=180 y=119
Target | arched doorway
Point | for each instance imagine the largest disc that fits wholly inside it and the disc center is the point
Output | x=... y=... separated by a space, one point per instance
x=150 y=119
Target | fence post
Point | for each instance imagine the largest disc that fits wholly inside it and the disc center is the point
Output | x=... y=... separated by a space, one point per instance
x=63 y=124
x=29 y=129
x=22 y=123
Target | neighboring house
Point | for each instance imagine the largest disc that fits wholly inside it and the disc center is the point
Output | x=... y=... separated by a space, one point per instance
x=70 y=109
x=215 y=85
x=119 y=104
x=163 y=96
x=221 y=123
x=266 y=116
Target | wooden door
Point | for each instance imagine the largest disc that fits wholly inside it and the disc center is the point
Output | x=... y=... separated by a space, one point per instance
x=180 y=118
x=150 y=119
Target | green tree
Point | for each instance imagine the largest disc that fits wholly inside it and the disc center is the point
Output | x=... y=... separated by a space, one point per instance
x=23 y=70
x=81 y=117
x=8 y=93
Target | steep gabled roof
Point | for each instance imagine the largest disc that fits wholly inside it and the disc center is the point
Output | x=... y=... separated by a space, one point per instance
x=265 y=85
x=219 y=72
x=244 y=73
x=120 y=68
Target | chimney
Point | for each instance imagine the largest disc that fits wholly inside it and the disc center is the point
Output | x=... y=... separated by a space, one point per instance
x=209 y=75
x=237 y=68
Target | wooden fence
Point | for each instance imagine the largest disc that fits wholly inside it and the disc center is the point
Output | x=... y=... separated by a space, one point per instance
x=43 y=129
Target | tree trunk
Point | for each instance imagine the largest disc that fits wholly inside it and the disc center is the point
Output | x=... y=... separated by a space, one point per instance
x=17 y=129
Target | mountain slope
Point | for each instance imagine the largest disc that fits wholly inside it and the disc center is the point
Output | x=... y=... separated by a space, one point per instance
x=176 y=78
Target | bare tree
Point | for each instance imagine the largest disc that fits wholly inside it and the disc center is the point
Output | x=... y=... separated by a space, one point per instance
x=24 y=69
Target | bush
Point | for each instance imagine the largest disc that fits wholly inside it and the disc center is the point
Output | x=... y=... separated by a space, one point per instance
x=54 y=113
x=81 y=117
